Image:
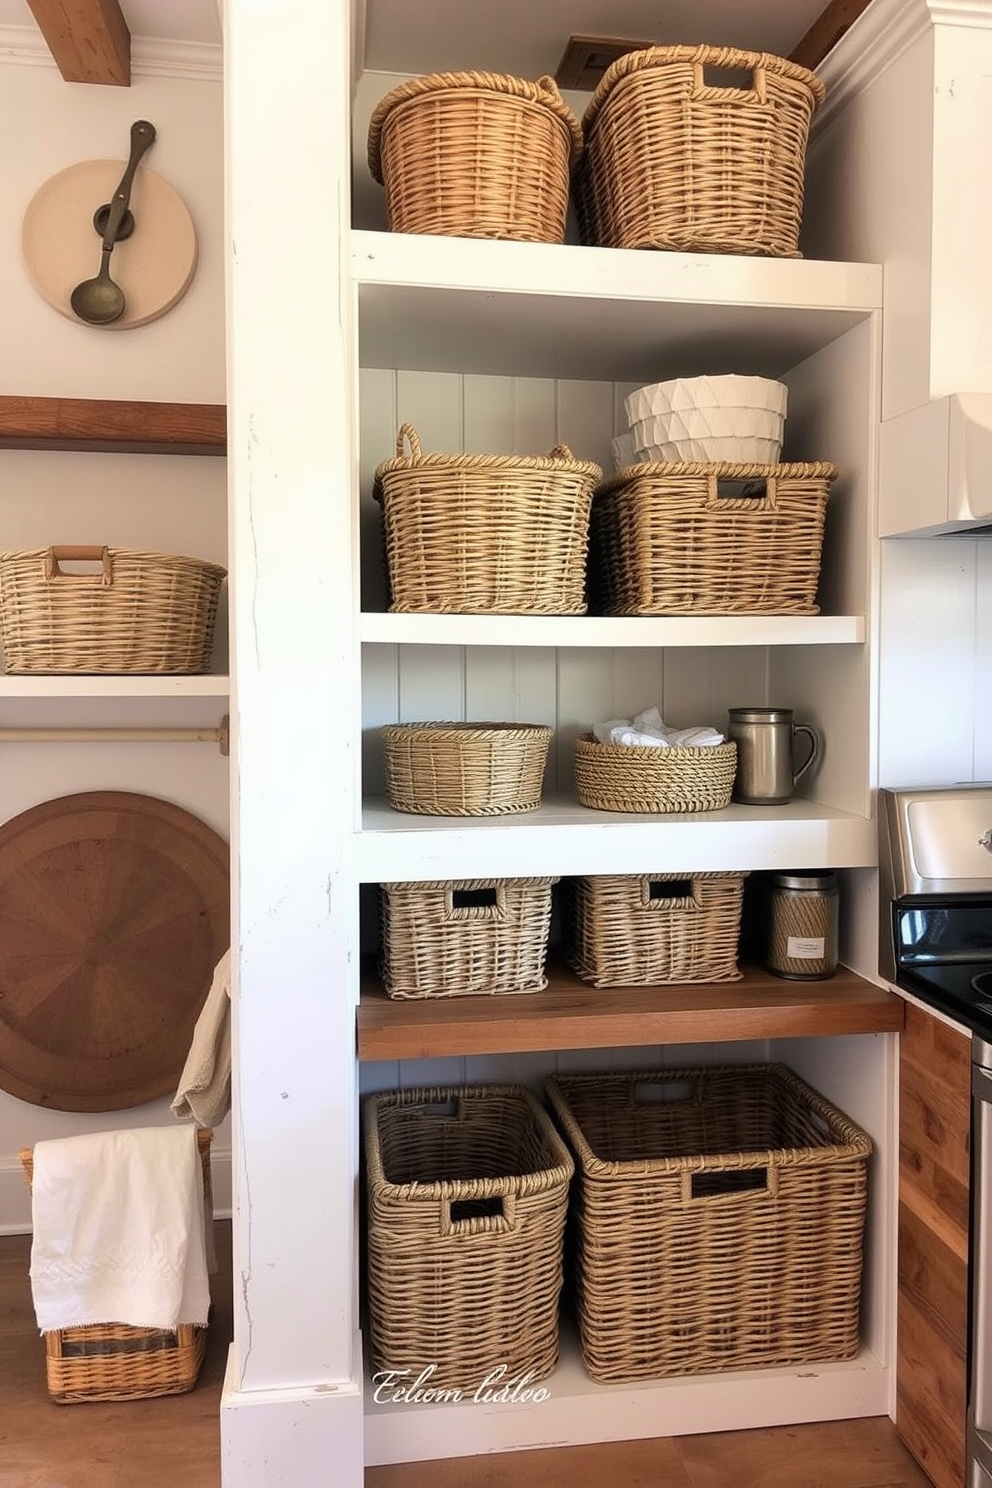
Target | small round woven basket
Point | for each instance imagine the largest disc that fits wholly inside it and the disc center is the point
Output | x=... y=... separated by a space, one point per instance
x=621 y=777
x=465 y=769
x=475 y=155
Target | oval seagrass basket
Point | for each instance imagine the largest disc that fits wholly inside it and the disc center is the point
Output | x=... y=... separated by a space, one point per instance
x=623 y=777
x=475 y=155
x=465 y=769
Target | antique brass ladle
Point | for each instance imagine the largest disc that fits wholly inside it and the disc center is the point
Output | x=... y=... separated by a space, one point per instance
x=99 y=301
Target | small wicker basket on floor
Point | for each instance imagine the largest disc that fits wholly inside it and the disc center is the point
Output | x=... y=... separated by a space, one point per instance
x=465 y=769
x=111 y=1361
x=675 y=159
x=698 y=539
x=473 y=937
x=719 y=1216
x=475 y=155
x=637 y=778
x=467 y=1198
x=140 y=612
x=653 y=929
x=485 y=534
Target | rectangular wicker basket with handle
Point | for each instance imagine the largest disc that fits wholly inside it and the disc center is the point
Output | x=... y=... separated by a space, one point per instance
x=467 y=1197
x=718 y=1220
x=112 y=1361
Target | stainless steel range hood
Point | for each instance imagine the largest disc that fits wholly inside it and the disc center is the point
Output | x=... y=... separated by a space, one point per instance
x=935 y=469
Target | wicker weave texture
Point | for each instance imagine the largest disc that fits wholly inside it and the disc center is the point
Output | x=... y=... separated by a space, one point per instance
x=485 y=534
x=475 y=155
x=719 y=1220
x=467 y=1199
x=142 y=612
x=674 y=161
x=645 y=930
x=622 y=777
x=471 y=937
x=111 y=1361
x=465 y=769
x=692 y=539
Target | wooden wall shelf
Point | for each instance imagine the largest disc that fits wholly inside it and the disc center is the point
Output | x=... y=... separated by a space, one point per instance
x=572 y=1015
x=119 y=427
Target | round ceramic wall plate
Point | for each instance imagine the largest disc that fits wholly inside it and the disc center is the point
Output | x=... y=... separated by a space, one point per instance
x=154 y=266
x=114 y=911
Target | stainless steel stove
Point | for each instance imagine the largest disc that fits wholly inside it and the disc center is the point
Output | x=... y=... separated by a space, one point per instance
x=935 y=886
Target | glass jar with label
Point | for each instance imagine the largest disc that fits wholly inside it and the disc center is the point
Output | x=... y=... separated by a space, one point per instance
x=803 y=914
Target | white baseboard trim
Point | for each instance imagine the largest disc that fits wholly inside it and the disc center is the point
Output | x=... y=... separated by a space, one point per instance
x=15 y=1199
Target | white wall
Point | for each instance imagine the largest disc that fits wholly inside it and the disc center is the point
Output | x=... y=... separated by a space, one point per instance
x=167 y=504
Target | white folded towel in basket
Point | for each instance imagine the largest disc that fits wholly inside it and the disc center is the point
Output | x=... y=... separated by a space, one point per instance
x=119 y=1233
x=649 y=730
x=204 y=1090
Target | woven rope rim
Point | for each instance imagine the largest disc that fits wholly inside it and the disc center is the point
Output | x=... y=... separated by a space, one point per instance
x=17 y=555
x=647 y=57
x=674 y=753
x=544 y=91
x=559 y=458
x=722 y=470
x=471 y=730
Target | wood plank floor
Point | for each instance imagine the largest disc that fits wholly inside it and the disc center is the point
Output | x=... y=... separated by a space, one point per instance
x=174 y=1442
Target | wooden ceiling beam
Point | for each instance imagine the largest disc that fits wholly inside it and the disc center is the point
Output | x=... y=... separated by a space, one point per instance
x=89 y=39
x=826 y=31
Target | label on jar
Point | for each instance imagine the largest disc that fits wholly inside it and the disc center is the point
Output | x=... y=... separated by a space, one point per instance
x=805 y=947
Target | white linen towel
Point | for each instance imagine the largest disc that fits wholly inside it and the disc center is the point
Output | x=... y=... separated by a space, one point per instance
x=119 y=1230
x=204 y=1091
x=649 y=730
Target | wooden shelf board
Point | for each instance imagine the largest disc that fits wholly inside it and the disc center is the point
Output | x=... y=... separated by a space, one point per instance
x=118 y=427
x=573 y=1015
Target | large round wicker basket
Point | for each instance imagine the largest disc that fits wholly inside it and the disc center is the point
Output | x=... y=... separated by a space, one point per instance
x=640 y=778
x=465 y=769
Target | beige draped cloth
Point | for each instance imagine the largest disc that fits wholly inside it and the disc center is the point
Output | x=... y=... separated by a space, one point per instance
x=204 y=1091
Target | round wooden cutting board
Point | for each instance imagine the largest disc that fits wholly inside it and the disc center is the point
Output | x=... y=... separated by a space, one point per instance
x=154 y=266
x=114 y=911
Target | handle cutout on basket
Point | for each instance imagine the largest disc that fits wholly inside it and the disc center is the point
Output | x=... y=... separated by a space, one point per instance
x=439 y=1110
x=663 y=1092
x=488 y=902
x=669 y=893
x=725 y=1181
x=495 y=1214
x=462 y=1209
x=76 y=554
x=716 y=82
x=757 y=492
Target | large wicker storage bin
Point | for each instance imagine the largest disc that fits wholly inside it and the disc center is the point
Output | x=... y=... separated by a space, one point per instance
x=697 y=539
x=139 y=612
x=465 y=769
x=638 y=930
x=719 y=1217
x=475 y=155
x=474 y=937
x=485 y=534
x=635 y=777
x=111 y=1361
x=674 y=159
x=467 y=1199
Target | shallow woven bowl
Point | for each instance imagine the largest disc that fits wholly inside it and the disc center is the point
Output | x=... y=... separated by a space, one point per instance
x=730 y=391
x=639 y=778
x=465 y=769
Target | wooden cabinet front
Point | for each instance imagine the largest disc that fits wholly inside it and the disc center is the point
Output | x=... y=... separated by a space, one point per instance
x=934 y=1180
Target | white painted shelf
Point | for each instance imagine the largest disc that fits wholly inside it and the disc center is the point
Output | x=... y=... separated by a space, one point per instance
x=116 y=686
x=577 y=1410
x=560 y=310
x=563 y=837
x=596 y=630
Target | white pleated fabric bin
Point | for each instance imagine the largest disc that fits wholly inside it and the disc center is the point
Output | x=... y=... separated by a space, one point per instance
x=736 y=419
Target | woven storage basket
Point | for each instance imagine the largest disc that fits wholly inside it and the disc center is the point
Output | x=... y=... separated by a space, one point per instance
x=674 y=161
x=719 y=1216
x=653 y=929
x=480 y=936
x=141 y=612
x=110 y=1361
x=697 y=539
x=622 y=777
x=475 y=155
x=485 y=534
x=465 y=769
x=467 y=1198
